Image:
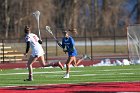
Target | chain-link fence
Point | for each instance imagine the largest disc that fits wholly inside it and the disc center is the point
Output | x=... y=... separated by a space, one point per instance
x=12 y=50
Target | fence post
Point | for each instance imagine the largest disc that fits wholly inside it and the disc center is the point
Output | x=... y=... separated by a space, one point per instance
x=91 y=48
x=3 y=50
x=85 y=45
x=114 y=41
x=114 y=44
x=46 y=49
x=56 y=50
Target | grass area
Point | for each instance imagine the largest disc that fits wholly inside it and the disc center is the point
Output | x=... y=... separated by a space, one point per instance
x=14 y=77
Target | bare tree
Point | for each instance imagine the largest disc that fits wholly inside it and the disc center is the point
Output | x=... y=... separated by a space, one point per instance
x=86 y=16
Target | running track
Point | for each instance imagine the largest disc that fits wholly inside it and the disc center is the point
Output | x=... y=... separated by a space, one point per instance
x=111 y=87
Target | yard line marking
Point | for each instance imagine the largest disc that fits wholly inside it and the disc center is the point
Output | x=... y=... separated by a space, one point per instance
x=36 y=73
x=84 y=75
x=59 y=72
x=126 y=73
x=118 y=69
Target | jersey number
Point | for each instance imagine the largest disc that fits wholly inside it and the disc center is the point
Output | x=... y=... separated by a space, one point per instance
x=35 y=38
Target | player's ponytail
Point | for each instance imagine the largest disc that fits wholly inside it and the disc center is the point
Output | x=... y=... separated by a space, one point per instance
x=73 y=31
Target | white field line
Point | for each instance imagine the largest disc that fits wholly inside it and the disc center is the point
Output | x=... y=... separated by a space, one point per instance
x=88 y=70
x=119 y=69
x=126 y=73
x=57 y=72
x=85 y=75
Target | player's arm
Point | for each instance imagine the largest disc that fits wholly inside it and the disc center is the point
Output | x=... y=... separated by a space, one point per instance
x=27 y=47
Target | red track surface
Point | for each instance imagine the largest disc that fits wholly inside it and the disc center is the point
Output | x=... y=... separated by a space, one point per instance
x=36 y=64
x=77 y=88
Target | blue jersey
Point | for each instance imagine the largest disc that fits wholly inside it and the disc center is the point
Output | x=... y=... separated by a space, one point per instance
x=69 y=44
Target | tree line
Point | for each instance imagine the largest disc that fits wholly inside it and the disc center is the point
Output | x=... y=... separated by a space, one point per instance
x=90 y=17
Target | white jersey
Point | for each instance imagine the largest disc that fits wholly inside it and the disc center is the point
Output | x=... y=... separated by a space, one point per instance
x=37 y=49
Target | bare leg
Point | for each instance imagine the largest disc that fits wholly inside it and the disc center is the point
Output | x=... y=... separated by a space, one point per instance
x=29 y=65
x=69 y=61
x=74 y=63
x=42 y=62
x=79 y=61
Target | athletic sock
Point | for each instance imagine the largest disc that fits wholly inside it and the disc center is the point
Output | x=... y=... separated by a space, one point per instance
x=31 y=77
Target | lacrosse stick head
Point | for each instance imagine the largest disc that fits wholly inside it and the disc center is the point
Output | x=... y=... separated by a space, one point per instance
x=36 y=14
x=48 y=29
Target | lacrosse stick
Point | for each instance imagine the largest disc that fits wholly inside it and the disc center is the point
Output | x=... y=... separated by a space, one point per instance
x=36 y=14
x=49 y=30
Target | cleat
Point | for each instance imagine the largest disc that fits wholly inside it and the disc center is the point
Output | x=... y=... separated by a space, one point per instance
x=66 y=76
x=60 y=65
x=28 y=79
x=89 y=57
x=86 y=57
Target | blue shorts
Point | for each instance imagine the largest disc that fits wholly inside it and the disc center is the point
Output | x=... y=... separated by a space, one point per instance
x=73 y=53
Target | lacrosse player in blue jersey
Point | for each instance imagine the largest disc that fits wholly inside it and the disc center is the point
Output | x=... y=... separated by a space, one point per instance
x=68 y=45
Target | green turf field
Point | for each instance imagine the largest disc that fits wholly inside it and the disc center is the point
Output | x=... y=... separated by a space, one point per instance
x=78 y=75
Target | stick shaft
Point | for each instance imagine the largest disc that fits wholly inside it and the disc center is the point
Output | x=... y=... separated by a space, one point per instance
x=38 y=30
x=36 y=15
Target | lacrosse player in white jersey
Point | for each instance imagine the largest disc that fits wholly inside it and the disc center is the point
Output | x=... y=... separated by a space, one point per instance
x=34 y=42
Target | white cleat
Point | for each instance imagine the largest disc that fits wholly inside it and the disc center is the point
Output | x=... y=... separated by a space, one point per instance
x=86 y=57
x=66 y=76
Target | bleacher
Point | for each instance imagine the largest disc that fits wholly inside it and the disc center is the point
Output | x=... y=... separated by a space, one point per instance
x=8 y=54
